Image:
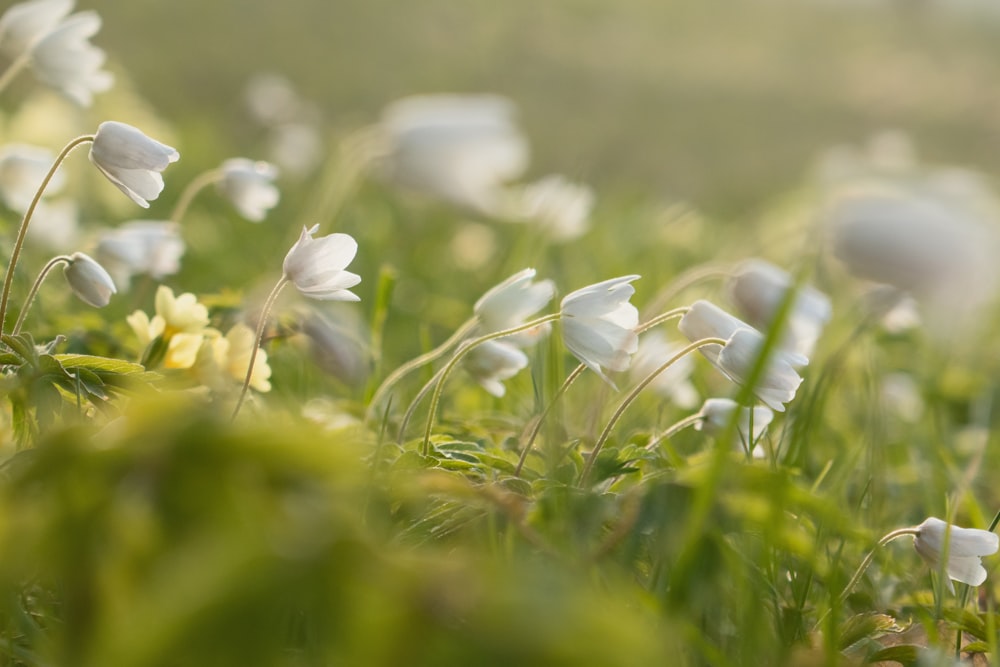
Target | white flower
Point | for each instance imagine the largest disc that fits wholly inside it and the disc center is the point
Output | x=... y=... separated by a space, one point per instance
x=55 y=225
x=673 y=383
x=738 y=357
x=965 y=549
x=250 y=187
x=716 y=413
x=131 y=160
x=511 y=303
x=337 y=345
x=492 y=362
x=598 y=324
x=757 y=288
x=24 y=23
x=153 y=247
x=558 y=206
x=316 y=266
x=65 y=60
x=458 y=148
x=89 y=280
x=22 y=170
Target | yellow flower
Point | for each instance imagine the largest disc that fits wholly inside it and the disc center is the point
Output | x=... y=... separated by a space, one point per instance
x=182 y=314
x=232 y=354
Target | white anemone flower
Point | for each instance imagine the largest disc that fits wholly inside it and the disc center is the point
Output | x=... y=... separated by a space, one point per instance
x=598 y=324
x=153 y=247
x=249 y=185
x=131 y=160
x=461 y=149
x=24 y=23
x=492 y=362
x=511 y=303
x=316 y=266
x=556 y=205
x=716 y=414
x=22 y=170
x=66 y=61
x=706 y=320
x=965 y=549
x=88 y=280
x=757 y=289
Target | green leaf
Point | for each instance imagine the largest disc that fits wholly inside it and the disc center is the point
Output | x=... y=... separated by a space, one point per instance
x=905 y=654
x=99 y=364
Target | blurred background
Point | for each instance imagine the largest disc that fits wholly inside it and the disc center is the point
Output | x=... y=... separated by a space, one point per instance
x=722 y=104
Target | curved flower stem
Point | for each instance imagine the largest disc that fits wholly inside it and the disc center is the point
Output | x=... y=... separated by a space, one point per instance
x=19 y=241
x=661 y=318
x=417 y=362
x=258 y=336
x=461 y=352
x=34 y=289
x=570 y=379
x=686 y=279
x=632 y=396
x=413 y=406
x=198 y=184
x=675 y=428
x=13 y=70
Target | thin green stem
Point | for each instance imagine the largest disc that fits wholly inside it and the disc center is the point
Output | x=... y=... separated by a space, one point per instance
x=198 y=184
x=675 y=428
x=661 y=318
x=257 y=339
x=19 y=242
x=632 y=396
x=13 y=70
x=413 y=406
x=461 y=352
x=577 y=372
x=417 y=362
x=34 y=288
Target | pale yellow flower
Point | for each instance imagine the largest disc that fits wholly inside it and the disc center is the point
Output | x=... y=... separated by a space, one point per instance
x=232 y=355
x=181 y=314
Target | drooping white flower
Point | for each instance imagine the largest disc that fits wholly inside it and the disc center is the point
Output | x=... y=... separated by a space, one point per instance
x=250 y=187
x=131 y=160
x=757 y=289
x=22 y=170
x=738 y=357
x=88 y=280
x=511 y=303
x=716 y=413
x=153 y=247
x=492 y=362
x=673 y=383
x=64 y=59
x=559 y=207
x=598 y=324
x=965 y=549
x=25 y=22
x=458 y=148
x=316 y=266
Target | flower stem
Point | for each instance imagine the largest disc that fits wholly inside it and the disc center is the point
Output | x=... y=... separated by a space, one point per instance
x=413 y=406
x=461 y=352
x=661 y=318
x=23 y=229
x=675 y=428
x=258 y=336
x=417 y=362
x=13 y=70
x=34 y=289
x=577 y=372
x=632 y=396
x=690 y=277
x=198 y=184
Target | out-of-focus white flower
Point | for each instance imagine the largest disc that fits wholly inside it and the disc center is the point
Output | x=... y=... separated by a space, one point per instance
x=232 y=354
x=65 y=60
x=965 y=549
x=739 y=356
x=250 y=187
x=316 y=266
x=511 y=303
x=598 y=324
x=472 y=246
x=298 y=148
x=22 y=170
x=556 y=205
x=673 y=383
x=131 y=160
x=55 y=225
x=757 y=289
x=940 y=250
x=901 y=395
x=458 y=148
x=336 y=347
x=24 y=23
x=88 y=280
x=716 y=413
x=271 y=98
x=492 y=362
x=153 y=247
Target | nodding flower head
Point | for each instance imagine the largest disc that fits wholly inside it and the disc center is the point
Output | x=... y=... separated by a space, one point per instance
x=131 y=160
x=598 y=324
x=965 y=549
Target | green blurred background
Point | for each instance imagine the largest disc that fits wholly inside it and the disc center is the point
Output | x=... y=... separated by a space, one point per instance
x=719 y=103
